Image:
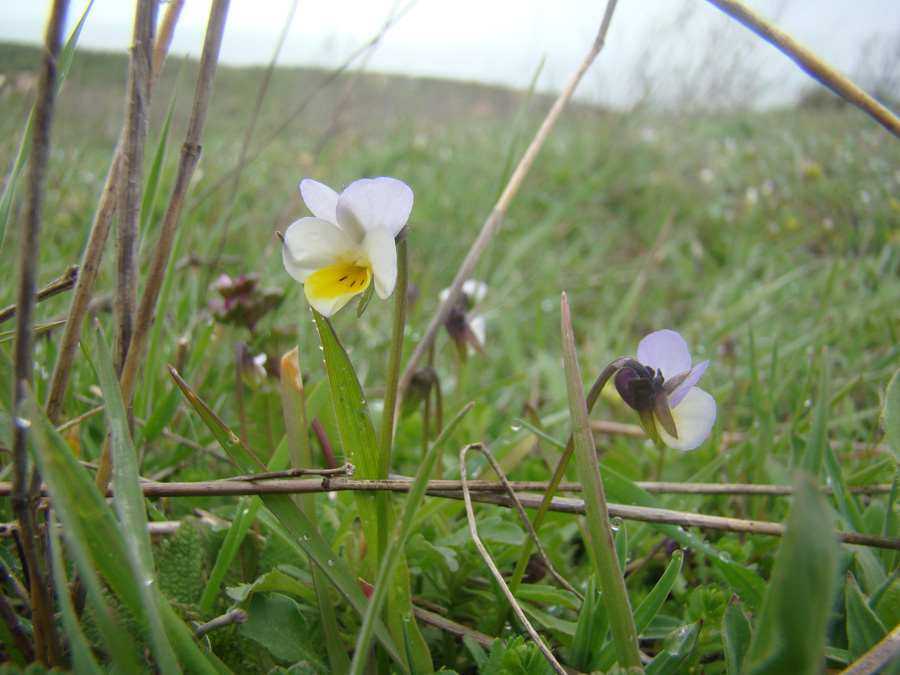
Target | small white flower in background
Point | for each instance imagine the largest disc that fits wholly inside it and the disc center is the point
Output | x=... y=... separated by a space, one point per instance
x=348 y=243
x=465 y=326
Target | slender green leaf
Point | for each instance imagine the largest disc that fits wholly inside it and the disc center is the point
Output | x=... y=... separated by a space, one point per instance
x=789 y=635
x=83 y=660
x=129 y=505
x=376 y=516
x=291 y=517
x=736 y=635
x=648 y=609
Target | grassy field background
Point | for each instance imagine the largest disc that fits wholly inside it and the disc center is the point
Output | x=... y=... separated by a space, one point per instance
x=770 y=240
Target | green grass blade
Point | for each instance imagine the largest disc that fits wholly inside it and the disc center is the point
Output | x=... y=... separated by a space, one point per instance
x=789 y=634
x=290 y=516
x=648 y=608
x=615 y=595
x=129 y=505
x=65 y=60
x=891 y=416
x=83 y=660
x=864 y=628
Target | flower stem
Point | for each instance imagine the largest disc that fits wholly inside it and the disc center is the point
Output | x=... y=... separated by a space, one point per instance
x=618 y=606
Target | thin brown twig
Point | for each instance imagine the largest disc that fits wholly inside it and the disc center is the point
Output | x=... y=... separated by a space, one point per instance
x=496 y=216
x=473 y=532
x=231 y=618
x=93 y=251
x=24 y=496
x=517 y=505
x=55 y=287
x=810 y=63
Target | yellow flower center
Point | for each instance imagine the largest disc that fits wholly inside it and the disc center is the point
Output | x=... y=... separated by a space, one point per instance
x=333 y=282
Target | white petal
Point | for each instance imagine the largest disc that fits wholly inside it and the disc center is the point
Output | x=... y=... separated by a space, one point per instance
x=375 y=202
x=694 y=418
x=320 y=199
x=311 y=244
x=328 y=306
x=665 y=351
x=692 y=378
x=381 y=251
x=475 y=290
x=479 y=329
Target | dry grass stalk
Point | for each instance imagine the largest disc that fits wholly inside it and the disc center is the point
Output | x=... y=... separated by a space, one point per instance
x=55 y=287
x=473 y=532
x=131 y=181
x=24 y=496
x=810 y=63
x=492 y=224
x=190 y=154
x=93 y=252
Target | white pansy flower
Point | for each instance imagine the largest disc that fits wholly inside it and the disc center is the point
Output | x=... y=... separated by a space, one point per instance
x=349 y=242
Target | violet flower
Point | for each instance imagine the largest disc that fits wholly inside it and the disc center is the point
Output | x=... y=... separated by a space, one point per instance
x=660 y=386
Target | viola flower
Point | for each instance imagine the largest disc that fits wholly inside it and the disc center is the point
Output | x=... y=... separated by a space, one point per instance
x=349 y=242
x=466 y=327
x=660 y=387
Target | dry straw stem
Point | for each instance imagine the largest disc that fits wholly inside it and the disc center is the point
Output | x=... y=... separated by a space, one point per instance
x=190 y=154
x=492 y=224
x=810 y=63
x=489 y=492
x=93 y=252
x=131 y=181
x=24 y=497
x=473 y=532
x=55 y=287
x=877 y=657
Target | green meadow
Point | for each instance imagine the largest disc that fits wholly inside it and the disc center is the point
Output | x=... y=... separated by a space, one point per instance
x=770 y=240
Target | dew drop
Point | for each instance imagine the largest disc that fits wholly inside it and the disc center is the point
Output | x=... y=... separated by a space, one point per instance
x=615 y=524
x=725 y=556
x=331 y=563
x=22 y=423
x=515 y=427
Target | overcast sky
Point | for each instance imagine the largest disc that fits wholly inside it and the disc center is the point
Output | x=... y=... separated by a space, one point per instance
x=658 y=47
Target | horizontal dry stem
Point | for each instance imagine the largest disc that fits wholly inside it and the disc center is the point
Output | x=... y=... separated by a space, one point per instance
x=489 y=492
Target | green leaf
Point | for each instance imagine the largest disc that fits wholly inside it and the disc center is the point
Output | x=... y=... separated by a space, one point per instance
x=736 y=635
x=590 y=630
x=376 y=516
x=129 y=505
x=789 y=635
x=864 y=628
x=276 y=622
x=276 y=581
x=287 y=512
x=677 y=647
x=891 y=416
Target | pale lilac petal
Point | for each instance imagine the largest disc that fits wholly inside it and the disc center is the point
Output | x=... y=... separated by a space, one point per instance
x=665 y=351
x=311 y=244
x=475 y=290
x=381 y=251
x=375 y=202
x=320 y=199
x=479 y=331
x=692 y=378
x=694 y=419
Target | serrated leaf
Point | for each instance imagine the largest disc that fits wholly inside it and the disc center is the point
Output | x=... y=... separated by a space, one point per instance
x=789 y=635
x=736 y=635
